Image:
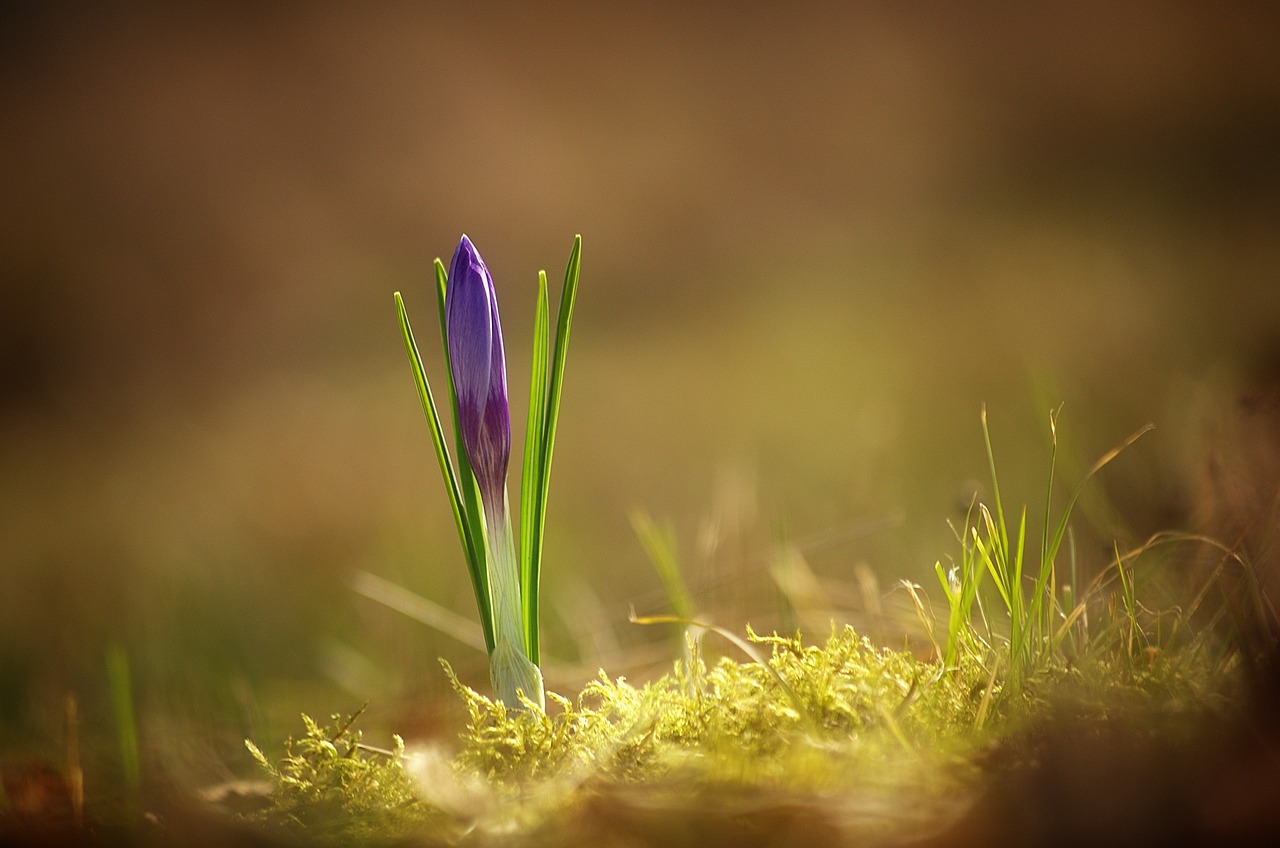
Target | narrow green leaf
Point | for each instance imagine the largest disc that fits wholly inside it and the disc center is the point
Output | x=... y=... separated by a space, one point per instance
x=433 y=420
x=442 y=282
x=1061 y=530
x=531 y=475
x=946 y=584
x=995 y=481
x=119 y=682
x=568 y=295
x=994 y=569
x=660 y=546
x=1019 y=615
x=466 y=478
x=1047 y=551
x=997 y=554
x=475 y=561
x=1018 y=560
x=953 y=615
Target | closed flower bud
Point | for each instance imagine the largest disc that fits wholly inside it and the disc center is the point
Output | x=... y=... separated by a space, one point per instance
x=478 y=368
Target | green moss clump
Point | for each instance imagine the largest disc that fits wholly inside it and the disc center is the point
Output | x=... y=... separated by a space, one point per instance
x=843 y=697
x=329 y=785
x=890 y=739
x=805 y=719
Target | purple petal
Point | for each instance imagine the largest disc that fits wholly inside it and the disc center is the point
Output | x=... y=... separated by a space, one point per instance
x=478 y=369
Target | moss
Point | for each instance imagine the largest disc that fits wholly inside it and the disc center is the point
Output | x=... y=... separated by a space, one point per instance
x=868 y=742
x=841 y=720
x=329 y=785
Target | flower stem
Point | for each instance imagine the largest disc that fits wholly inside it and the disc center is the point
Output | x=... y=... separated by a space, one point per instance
x=510 y=669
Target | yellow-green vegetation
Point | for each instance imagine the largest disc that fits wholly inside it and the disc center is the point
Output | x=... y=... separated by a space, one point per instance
x=330 y=785
x=842 y=738
x=836 y=722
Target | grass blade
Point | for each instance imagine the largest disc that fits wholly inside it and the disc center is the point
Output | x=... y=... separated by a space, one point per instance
x=531 y=475
x=433 y=420
x=1061 y=530
x=420 y=609
x=475 y=561
x=1015 y=585
x=568 y=295
x=993 y=566
x=118 y=680
x=995 y=481
x=1047 y=551
x=660 y=546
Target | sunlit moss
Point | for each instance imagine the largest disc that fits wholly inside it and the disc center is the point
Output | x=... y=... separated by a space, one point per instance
x=329 y=785
x=881 y=742
x=840 y=720
x=807 y=719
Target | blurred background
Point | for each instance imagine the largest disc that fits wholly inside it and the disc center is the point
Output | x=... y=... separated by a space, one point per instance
x=816 y=240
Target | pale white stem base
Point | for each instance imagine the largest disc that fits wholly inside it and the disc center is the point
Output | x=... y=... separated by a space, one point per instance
x=510 y=669
x=511 y=672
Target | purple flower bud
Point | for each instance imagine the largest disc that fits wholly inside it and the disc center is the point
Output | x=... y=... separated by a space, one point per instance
x=479 y=372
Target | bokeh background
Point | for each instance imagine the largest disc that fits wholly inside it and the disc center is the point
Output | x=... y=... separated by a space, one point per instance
x=816 y=240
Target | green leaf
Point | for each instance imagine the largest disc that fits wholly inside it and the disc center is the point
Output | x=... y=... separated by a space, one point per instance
x=1061 y=530
x=660 y=546
x=531 y=475
x=1047 y=550
x=119 y=682
x=479 y=580
x=994 y=568
x=568 y=294
x=995 y=482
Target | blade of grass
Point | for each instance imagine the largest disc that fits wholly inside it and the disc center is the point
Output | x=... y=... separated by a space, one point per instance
x=988 y=698
x=1021 y=639
x=1048 y=489
x=659 y=545
x=956 y=612
x=1128 y=599
x=989 y=561
x=1061 y=530
x=419 y=608
x=568 y=295
x=531 y=475
x=924 y=614
x=121 y=687
x=1015 y=587
x=995 y=480
x=1065 y=627
x=479 y=579
x=960 y=586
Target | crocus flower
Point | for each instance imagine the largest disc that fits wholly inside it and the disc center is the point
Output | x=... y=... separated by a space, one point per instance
x=478 y=369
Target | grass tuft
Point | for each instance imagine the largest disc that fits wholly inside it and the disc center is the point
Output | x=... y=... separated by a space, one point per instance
x=906 y=735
